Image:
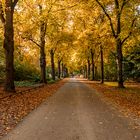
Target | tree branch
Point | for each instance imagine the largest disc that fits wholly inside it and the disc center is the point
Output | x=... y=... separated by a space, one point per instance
x=34 y=42
x=123 y=4
x=117 y=4
x=14 y=3
x=130 y=33
x=109 y=18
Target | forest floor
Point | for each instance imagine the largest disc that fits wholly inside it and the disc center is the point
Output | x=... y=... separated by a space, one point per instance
x=15 y=106
x=75 y=112
x=126 y=100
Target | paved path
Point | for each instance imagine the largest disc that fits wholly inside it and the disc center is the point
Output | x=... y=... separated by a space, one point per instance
x=75 y=112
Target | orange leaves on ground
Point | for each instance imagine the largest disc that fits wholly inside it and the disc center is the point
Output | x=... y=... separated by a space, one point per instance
x=14 y=108
x=127 y=99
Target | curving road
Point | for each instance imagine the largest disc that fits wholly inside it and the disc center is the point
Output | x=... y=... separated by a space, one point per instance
x=75 y=112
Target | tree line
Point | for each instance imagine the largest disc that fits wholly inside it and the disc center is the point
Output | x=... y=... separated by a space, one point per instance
x=99 y=39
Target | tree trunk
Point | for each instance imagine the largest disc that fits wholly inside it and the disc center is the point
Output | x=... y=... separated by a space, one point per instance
x=62 y=70
x=52 y=64
x=66 y=72
x=43 y=65
x=85 y=71
x=88 y=62
x=117 y=31
x=42 y=49
x=120 y=64
x=59 y=69
x=92 y=63
x=9 y=49
x=102 y=65
x=119 y=47
x=96 y=73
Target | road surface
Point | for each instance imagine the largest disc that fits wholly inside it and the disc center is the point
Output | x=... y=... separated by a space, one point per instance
x=75 y=112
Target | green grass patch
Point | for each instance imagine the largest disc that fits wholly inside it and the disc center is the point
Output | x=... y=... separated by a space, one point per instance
x=51 y=81
x=24 y=83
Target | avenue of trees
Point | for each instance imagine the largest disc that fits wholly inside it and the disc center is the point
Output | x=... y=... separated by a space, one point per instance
x=99 y=39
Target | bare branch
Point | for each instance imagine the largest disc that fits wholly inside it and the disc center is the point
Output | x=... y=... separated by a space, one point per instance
x=117 y=4
x=15 y=3
x=2 y=13
x=34 y=42
x=130 y=32
x=123 y=4
x=109 y=18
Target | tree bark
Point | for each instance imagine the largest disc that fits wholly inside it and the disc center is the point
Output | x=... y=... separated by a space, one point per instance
x=96 y=73
x=85 y=71
x=102 y=65
x=52 y=64
x=43 y=65
x=88 y=63
x=9 y=46
x=66 y=72
x=92 y=63
x=116 y=31
x=62 y=65
x=120 y=64
x=59 y=69
x=42 y=49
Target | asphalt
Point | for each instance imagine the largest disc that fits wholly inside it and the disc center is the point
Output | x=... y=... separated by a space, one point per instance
x=74 y=112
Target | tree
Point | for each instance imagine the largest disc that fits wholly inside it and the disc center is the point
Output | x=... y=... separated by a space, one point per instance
x=43 y=27
x=37 y=35
x=6 y=16
x=117 y=30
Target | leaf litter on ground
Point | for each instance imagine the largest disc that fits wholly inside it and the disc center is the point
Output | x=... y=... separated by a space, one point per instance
x=126 y=100
x=14 y=108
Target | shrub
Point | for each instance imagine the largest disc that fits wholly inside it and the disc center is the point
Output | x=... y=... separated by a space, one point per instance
x=24 y=71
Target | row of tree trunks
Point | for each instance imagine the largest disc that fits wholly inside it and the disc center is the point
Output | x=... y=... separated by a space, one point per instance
x=90 y=68
x=117 y=29
x=120 y=65
x=62 y=70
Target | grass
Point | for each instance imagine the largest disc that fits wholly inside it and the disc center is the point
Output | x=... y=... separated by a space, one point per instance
x=24 y=83
x=32 y=83
x=51 y=81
